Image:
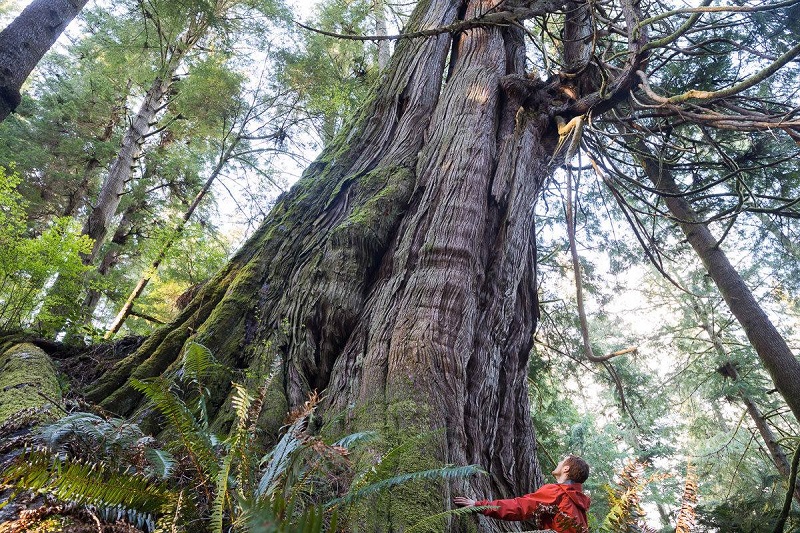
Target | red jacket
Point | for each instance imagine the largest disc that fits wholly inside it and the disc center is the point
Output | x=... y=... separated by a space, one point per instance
x=568 y=514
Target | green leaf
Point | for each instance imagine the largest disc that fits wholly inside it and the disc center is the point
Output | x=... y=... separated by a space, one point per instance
x=446 y=472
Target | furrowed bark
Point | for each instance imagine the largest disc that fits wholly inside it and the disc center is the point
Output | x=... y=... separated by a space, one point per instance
x=26 y=40
x=316 y=236
x=398 y=275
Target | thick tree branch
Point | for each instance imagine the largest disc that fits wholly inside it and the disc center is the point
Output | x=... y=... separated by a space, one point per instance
x=718 y=9
x=737 y=88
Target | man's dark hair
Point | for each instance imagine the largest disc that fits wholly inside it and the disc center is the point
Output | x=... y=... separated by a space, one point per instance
x=578 y=468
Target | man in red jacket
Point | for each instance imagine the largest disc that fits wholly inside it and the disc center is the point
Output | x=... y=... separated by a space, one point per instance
x=560 y=506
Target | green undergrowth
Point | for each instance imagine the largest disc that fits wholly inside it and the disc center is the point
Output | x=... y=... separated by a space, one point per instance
x=230 y=480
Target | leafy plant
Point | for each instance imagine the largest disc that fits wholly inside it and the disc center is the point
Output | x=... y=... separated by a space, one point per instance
x=29 y=263
x=117 y=441
x=302 y=484
x=133 y=496
x=627 y=515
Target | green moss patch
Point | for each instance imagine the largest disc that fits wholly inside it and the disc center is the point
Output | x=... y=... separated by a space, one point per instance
x=26 y=375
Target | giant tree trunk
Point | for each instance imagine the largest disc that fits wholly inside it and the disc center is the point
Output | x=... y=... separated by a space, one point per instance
x=398 y=275
x=25 y=41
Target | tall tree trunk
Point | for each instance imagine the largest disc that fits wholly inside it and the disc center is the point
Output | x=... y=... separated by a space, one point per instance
x=26 y=40
x=127 y=307
x=776 y=453
x=384 y=47
x=779 y=361
x=111 y=256
x=99 y=220
x=77 y=199
x=398 y=275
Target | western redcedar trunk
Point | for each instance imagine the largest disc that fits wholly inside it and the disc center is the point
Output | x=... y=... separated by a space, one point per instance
x=398 y=276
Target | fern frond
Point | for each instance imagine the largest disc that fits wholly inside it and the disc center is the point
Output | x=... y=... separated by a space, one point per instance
x=112 y=431
x=626 y=514
x=86 y=483
x=218 y=506
x=428 y=521
x=144 y=521
x=199 y=363
x=686 y=516
x=310 y=521
x=194 y=438
x=353 y=439
x=178 y=514
x=446 y=472
x=278 y=458
x=163 y=461
x=241 y=400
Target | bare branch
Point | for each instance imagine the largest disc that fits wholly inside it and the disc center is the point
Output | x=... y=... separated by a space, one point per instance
x=745 y=84
x=498 y=18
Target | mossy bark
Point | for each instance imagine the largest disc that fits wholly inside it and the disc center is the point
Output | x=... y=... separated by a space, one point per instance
x=28 y=382
x=400 y=267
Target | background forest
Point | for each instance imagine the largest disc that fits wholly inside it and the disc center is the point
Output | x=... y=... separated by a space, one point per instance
x=156 y=135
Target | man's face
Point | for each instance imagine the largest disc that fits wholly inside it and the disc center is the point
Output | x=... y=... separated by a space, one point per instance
x=561 y=471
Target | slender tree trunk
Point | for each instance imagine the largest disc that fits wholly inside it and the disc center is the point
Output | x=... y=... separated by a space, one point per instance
x=26 y=40
x=775 y=451
x=111 y=256
x=384 y=47
x=77 y=199
x=779 y=361
x=127 y=307
x=99 y=220
x=779 y=458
